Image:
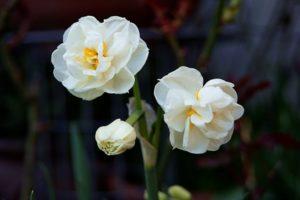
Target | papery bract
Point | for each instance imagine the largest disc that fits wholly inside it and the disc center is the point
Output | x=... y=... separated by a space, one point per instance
x=116 y=137
x=200 y=118
x=99 y=57
x=149 y=113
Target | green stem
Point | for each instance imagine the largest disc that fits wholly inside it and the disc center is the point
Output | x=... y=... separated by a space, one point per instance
x=138 y=106
x=149 y=167
x=213 y=33
x=134 y=117
x=151 y=182
x=163 y=160
x=157 y=128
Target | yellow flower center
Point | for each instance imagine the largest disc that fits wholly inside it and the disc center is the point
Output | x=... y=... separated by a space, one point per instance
x=190 y=112
x=90 y=56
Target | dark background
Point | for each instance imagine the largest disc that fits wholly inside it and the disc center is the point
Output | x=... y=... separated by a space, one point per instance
x=258 y=51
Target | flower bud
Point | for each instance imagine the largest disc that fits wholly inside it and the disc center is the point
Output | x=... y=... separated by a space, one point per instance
x=179 y=193
x=116 y=137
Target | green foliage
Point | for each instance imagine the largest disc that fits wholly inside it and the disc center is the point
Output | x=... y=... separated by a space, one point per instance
x=80 y=165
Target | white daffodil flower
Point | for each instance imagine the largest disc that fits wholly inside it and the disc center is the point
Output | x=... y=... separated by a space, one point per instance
x=116 y=137
x=99 y=57
x=200 y=118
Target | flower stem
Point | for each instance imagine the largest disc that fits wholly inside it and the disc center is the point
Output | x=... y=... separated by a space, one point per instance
x=157 y=128
x=134 y=117
x=148 y=151
x=151 y=182
x=138 y=106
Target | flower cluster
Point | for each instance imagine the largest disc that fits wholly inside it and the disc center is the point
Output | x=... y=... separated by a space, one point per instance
x=97 y=57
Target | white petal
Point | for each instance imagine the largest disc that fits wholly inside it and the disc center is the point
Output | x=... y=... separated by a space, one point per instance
x=95 y=82
x=59 y=75
x=74 y=37
x=186 y=133
x=175 y=100
x=123 y=130
x=218 y=82
x=116 y=24
x=120 y=83
x=120 y=50
x=215 y=97
x=59 y=63
x=175 y=119
x=213 y=131
x=198 y=143
x=214 y=145
x=104 y=132
x=70 y=82
x=237 y=111
x=66 y=33
x=160 y=92
x=176 y=139
x=227 y=87
x=75 y=70
x=224 y=122
x=138 y=58
x=93 y=40
x=57 y=58
x=228 y=137
x=184 y=78
x=87 y=95
x=203 y=115
x=172 y=98
x=89 y=23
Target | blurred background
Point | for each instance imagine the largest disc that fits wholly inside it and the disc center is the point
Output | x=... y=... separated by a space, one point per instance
x=252 y=43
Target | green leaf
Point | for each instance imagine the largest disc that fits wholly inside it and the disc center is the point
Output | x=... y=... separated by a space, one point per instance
x=80 y=165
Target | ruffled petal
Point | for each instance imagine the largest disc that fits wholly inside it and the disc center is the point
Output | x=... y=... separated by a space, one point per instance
x=215 y=97
x=184 y=78
x=117 y=24
x=138 y=58
x=176 y=119
x=227 y=87
x=160 y=92
x=120 y=83
x=88 y=95
x=237 y=111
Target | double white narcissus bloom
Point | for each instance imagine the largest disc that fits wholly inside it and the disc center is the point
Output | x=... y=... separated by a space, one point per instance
x=116 y=137
x=99 y=57
x=200 y=118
